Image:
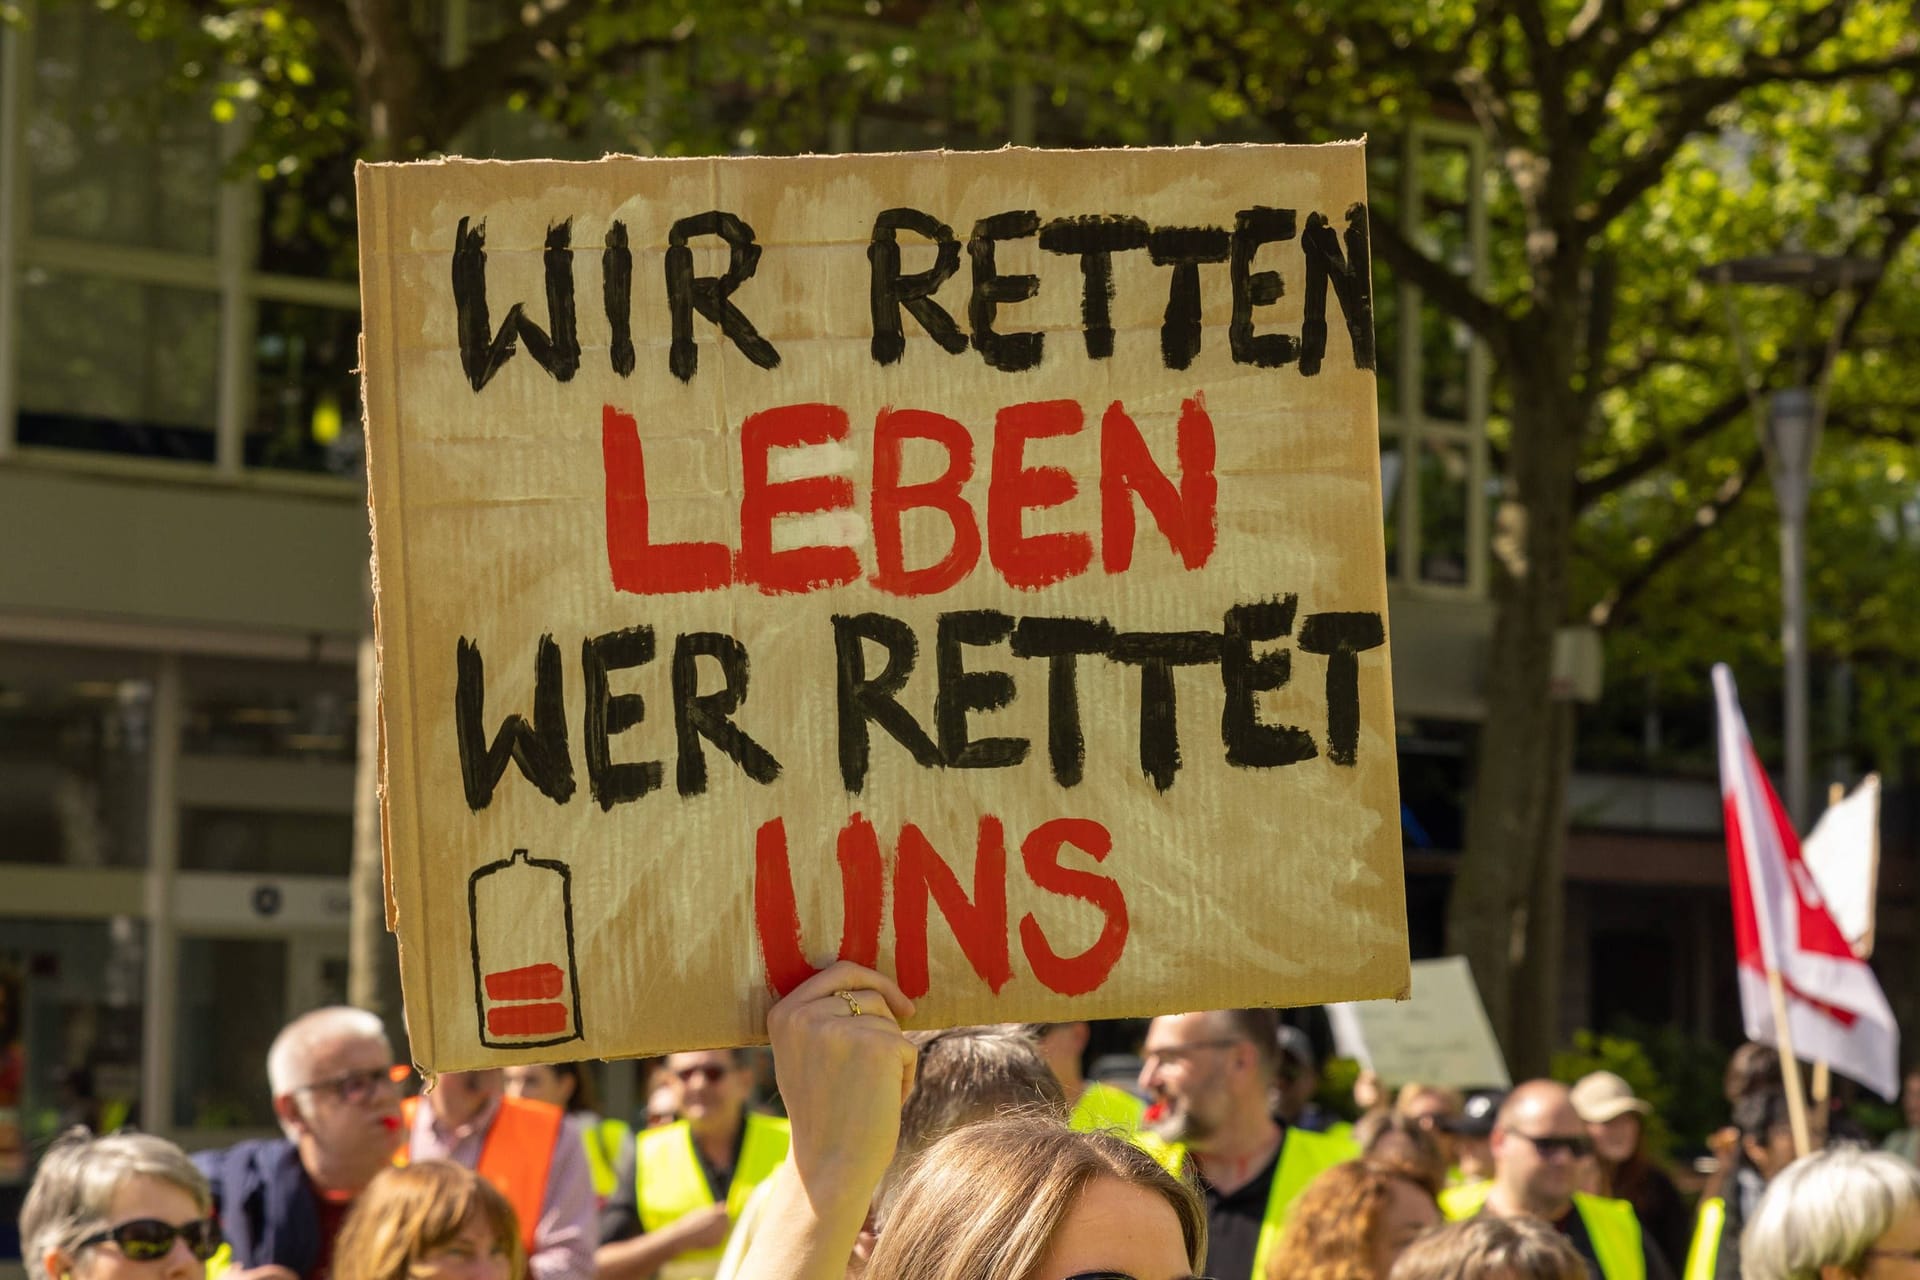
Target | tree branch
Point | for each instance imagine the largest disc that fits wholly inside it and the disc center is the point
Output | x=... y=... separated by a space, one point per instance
x=1450 y=292
x=1658 y=453
x=1603 y=296
x=1696 y=99
x=488 y=66
x=1617 y=49
x=1617 y=604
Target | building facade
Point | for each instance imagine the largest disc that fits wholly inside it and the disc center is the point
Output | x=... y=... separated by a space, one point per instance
x=184 y=586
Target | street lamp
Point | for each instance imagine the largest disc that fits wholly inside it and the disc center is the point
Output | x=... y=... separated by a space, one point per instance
x=1788 y=420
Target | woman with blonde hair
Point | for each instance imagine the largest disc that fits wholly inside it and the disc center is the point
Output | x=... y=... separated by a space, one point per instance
x=1020 y=1198
x=434 y=1220
x=1489 y=1248
x=1352 y=1222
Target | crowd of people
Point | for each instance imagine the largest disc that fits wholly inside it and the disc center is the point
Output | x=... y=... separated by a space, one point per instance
x=980 y=1153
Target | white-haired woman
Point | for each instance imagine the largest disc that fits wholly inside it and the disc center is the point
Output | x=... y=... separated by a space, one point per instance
x=126 y=1207
x=1840 y=1214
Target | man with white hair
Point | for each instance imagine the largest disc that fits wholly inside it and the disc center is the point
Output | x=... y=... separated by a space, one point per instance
x=336 y=1095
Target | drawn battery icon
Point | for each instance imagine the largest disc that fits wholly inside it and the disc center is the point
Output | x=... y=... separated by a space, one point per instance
x=526 y=989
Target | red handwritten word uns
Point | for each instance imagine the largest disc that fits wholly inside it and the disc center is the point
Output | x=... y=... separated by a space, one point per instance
x=922 y=877
x=1185 y=513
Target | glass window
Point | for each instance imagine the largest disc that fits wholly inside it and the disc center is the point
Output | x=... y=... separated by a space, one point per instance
x=71 y=995
x=306 y=222
x=1446 y=231
x=1445 y=469
x=306 y=408
x=117 y=365
x=1386 y=339
x=118 y=155
x=73 y=771
x=231 y=1001
x=291 y=844
x=278 y=710
x=1444 y=344
x=1383 y=179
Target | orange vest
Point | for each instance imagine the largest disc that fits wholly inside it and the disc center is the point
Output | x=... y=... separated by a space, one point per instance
x=515 y=1155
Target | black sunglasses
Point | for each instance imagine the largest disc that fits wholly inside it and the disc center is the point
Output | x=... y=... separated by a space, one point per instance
x=706 y=1071
x=150 y=1239
x=1550 y=1146
x=1112 y=1275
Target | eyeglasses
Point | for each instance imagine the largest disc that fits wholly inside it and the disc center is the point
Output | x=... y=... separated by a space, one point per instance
x=150 y=1239
x=1174 y=1053
x=354 y=1087
x=1114 y=1275
x=1549 y=1145
x=706 y=1072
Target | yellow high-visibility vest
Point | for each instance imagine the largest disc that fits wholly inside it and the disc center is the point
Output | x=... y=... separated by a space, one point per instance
x=603 y=1142
x=671 y=1184
x=1102 y=1106
x=1304 y=1156
x=1704 y=1253
x=1610 y=1224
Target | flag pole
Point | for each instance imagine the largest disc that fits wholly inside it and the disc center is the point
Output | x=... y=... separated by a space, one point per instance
x=1789 y=1065
x=1822 y=1076
x=1822 y=1089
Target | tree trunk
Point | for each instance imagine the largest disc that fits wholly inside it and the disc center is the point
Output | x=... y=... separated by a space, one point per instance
x=1536 y=978
x=1510 y=865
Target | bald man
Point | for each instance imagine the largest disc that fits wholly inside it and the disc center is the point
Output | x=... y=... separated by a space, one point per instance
x=1537 y=1142
x=1211 y=1076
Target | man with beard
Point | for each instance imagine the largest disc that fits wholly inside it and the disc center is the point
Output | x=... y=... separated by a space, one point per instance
x=336 y=1095
x=1211 y=1076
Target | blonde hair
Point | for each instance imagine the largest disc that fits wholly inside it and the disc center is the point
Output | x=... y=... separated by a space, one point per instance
x=1330 y=1233
x=1489 y=1248
x=1826 y=1209
x=985 y=1202
x=405 y=1212
x=76 y=1182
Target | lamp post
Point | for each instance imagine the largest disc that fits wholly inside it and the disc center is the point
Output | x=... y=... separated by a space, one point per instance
x=1788 y=420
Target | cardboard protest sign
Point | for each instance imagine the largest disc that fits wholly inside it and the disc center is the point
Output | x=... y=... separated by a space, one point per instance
x=969 y=564
x=1439 y=1036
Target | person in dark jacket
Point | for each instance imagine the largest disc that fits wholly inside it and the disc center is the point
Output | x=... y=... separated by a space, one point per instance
x=335 y=1092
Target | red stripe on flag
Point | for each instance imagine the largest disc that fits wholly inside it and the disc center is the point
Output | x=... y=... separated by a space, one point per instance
x=527 y=1020
x=534 y=982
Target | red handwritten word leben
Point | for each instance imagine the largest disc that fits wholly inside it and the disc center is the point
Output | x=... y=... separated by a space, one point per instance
x=1186 y=513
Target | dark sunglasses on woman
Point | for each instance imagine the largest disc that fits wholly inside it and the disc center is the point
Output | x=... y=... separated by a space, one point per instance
x=150 y=1239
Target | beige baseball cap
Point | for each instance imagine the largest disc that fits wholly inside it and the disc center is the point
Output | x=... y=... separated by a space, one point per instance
x=1604 y=1096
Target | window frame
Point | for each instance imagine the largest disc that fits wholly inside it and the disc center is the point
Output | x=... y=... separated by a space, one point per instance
x=229 y=274
x=1405 y=424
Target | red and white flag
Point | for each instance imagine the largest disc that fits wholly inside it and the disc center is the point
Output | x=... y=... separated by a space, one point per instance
x=1835 y=1008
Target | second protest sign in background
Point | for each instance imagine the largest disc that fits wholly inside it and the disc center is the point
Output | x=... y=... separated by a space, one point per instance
x=970 y=564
